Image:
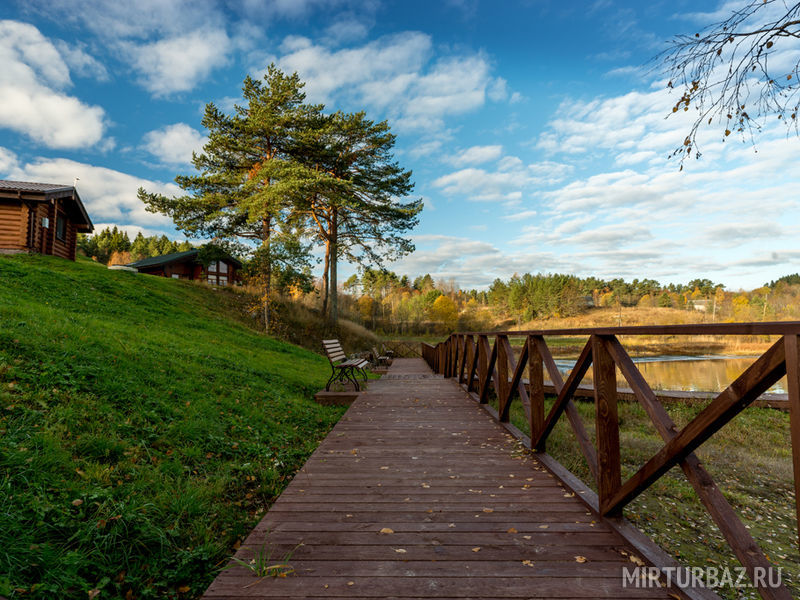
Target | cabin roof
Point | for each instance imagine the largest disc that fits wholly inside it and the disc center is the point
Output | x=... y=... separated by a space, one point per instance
x=165 y=259
x=43 y=192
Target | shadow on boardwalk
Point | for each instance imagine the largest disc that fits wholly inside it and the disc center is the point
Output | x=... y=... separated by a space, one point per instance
x=465 y=512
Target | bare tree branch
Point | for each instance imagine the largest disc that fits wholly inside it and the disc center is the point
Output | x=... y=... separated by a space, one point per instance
x=738 y=72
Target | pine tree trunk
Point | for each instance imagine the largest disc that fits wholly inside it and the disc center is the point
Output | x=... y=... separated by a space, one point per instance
x=333 y=315
x=325 y=284
x=266 y=231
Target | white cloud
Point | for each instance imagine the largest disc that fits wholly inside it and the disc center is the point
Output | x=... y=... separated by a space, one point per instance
x=395 y=74
x=498 y=90
x=80 y=62
x=32 y=101
x=347 y=28
x=476 y=155
x=510 y=182
x=172 y=45
x=142 y=19
x=109 y=195
x=392 y=60
x=473 y=263
x=178 y=64
x=174 y=144
x=8 y=162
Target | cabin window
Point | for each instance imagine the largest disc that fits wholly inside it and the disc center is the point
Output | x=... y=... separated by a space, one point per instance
x=212 y=280
x=212 y=266
x=223 y=267
x=223 y=280
x=61 y=228
x=176 y=276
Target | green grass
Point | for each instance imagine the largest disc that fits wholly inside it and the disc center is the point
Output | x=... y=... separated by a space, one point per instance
x=144 y=428
x=749 y=459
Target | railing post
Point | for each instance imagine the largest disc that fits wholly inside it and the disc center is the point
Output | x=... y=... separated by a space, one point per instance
x=793 y=378
x=483 y=367
x=501 y=385
x=605 y=398
x=536 y=392
x=455 y=339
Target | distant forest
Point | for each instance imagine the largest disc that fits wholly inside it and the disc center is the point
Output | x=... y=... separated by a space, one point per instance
x=390 y=302
x=113 y=246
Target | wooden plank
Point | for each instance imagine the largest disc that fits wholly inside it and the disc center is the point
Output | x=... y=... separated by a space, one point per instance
x=607 y=425
x=736 y=534
x=792 y=343
x=473 y=369
x=758 y=378
x=536 y=385
x=501 y=381
x=564 y=402
x=515 y=385
x=463 y=514
x=490 y=373
x=762 y=328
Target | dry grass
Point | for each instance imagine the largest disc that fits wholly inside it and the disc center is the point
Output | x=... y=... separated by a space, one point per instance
x=649 y=345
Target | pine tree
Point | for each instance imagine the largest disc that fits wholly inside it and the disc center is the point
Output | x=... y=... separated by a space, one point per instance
x=355 y=209
x=248 y=177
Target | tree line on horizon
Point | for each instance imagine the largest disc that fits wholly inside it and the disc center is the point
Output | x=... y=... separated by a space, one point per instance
x=112 y=245
x=388 y=302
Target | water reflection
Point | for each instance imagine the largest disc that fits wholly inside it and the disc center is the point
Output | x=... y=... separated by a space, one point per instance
x=688 y=373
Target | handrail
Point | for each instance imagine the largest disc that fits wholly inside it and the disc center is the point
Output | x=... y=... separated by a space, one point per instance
x=480 y=366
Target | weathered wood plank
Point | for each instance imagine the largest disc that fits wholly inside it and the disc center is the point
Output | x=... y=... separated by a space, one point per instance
x=473 y=517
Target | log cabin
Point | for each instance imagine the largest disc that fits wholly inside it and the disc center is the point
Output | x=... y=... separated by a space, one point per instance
x=41 y=217
x=186 y=265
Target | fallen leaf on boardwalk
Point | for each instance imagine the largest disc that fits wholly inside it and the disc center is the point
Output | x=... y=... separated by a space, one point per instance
x=399 y=550
x=425 y=485
x=527 y=537
x=351 y=583
x=543 y=526
x=326 y=586
x=348 y=515
x=354 y=451
x=476 y=549
x=429 y=511
x=386 y=530
x=568 y=495
x=512 y=530
x=527 y=563
x=636 y=560
x=580 y=559
x=488 y=510
x=384 y=468
x=406 y=499
x=452 y=525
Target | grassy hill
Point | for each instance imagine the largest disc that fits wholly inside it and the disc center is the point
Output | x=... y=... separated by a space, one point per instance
x=144 y=428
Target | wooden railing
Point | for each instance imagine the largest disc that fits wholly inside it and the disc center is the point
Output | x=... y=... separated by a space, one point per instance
x=484 y=362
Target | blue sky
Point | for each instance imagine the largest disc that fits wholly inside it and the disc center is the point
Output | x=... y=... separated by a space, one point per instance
x=535 y=129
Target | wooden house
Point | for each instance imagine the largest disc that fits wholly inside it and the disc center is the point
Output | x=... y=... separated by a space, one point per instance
x=185 y=265
x=41 y=217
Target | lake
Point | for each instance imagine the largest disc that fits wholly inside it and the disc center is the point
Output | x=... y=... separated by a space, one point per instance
x=688 y=373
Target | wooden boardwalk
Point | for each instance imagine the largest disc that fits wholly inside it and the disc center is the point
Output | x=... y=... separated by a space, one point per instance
x=464 y=512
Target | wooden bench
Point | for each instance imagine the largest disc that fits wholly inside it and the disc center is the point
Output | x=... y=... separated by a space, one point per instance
x=380 y=359
x=342 y=368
